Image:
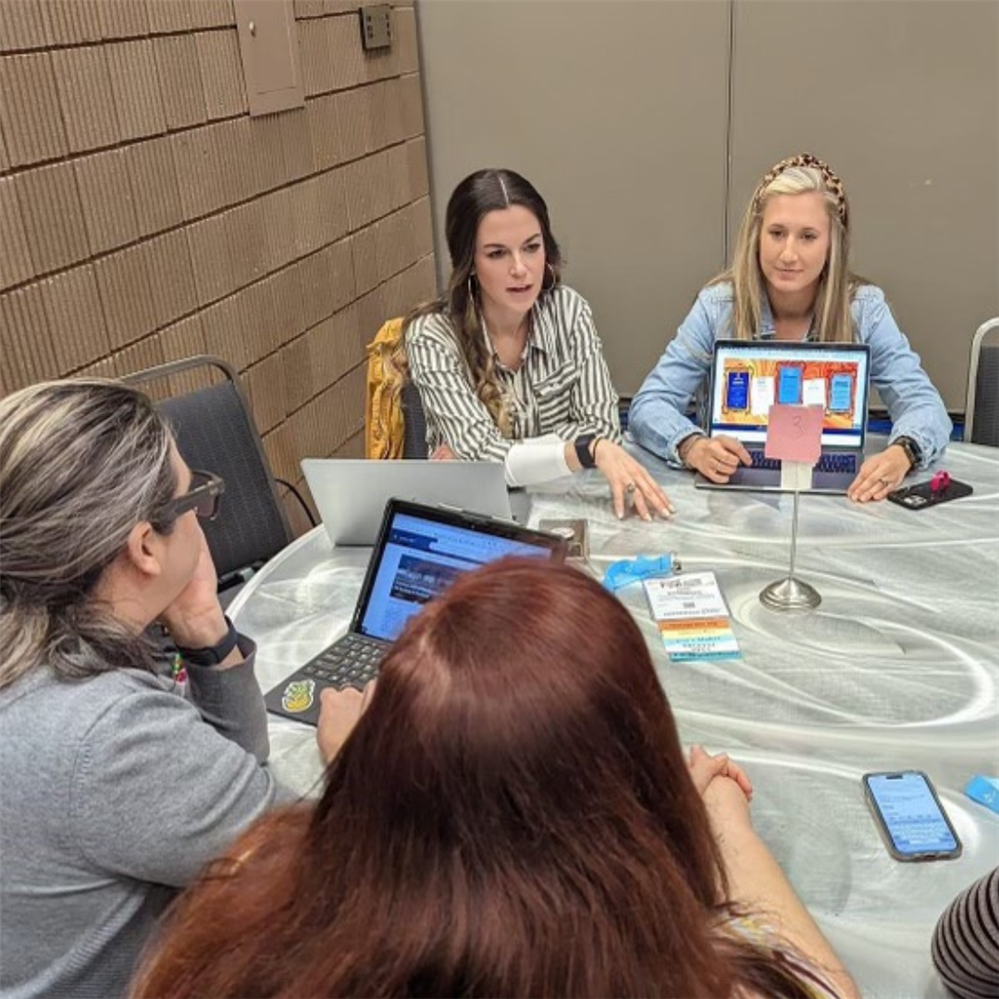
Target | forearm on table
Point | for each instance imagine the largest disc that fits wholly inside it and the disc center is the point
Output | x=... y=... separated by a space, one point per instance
x=758 y=885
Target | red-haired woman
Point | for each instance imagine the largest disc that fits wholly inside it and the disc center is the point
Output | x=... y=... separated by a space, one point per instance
x=512 y=815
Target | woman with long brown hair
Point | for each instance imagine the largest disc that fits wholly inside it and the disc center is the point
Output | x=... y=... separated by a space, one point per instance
x=512 y=815
x=508 y=361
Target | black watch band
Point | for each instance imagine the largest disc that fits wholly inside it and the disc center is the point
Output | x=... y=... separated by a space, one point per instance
x=583 y=443
x=211 y=655
x=912 y=450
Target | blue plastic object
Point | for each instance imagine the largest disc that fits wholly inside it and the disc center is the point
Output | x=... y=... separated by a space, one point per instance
x=984 y=790
x=631 y=570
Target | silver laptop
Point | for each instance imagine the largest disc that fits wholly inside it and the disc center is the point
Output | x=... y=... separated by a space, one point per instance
x=351 y=493
x=419 y=553
x=749 y=376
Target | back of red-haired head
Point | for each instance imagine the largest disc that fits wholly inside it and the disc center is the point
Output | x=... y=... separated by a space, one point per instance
x=511 y=816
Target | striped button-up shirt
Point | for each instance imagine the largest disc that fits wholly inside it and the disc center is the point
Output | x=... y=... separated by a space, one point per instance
x=562 y=386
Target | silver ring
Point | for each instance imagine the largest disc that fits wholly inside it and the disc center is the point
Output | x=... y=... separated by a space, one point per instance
x=630 y=488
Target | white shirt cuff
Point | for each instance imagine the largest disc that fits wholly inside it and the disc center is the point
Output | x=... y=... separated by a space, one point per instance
x=536 y=459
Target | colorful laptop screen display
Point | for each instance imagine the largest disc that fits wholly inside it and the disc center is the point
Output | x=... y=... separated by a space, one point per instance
x=421 y=558
x=750 y=377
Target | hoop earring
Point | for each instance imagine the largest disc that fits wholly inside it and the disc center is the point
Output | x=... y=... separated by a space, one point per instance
x=471 y=287
x=551 y=270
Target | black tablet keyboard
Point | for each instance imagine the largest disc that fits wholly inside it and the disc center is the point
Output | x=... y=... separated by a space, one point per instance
x=350 y=662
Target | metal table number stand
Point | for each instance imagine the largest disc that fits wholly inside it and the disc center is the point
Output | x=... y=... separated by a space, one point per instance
x=790 y=593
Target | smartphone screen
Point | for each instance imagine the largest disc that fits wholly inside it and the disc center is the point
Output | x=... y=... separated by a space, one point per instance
x=789 y=385
x=911 y=817
x=737 y=396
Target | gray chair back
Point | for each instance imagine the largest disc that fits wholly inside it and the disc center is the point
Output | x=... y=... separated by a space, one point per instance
x=414 y=423
x=215 y=431
x=981 y=416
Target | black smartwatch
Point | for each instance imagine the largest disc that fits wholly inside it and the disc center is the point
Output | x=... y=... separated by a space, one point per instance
x=912 y=450
x=211 y=655
x=583 y=443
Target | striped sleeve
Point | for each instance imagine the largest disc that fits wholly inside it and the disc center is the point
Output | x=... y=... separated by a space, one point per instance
x=593 y=401
x=455 y=415
x=966 y=941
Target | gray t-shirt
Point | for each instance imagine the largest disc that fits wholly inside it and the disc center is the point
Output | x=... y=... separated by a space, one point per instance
x=114 y=792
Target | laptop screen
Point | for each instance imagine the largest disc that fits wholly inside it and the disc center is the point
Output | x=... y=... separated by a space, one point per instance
x=419 y=554
x=750 y=376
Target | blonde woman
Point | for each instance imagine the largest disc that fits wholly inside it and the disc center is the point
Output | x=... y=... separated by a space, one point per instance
x=790 y=279
x=508 y=361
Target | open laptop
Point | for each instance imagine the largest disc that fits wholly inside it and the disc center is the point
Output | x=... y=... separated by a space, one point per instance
x=351 y=493
x=749 y=376
x=420 y=551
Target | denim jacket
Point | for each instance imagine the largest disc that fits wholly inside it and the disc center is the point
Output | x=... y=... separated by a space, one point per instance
x=656 y=418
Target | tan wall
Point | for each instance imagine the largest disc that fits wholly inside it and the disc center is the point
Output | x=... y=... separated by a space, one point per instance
x=146 y=217
x=645 y=125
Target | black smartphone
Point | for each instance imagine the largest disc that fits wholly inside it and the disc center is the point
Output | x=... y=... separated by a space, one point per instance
x=910 y=817
x=922 y=494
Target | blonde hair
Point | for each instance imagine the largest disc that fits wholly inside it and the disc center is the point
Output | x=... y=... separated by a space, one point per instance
x=81 y=463
x=837 y=285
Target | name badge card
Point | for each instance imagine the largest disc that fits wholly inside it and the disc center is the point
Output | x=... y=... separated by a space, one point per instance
x=794 y=436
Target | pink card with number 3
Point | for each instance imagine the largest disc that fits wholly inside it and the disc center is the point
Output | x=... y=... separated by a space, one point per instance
x=794 y=433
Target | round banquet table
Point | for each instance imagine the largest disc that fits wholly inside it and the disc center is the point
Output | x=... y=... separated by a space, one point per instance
x=898 y=668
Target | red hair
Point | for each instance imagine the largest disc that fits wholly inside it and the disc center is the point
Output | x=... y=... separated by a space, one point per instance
x=512 y=815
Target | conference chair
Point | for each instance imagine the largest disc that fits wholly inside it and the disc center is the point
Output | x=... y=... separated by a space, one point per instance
x=215 y=431
x=981 y=413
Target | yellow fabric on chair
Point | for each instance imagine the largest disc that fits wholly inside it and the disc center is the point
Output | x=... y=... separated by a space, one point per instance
x=384 y=423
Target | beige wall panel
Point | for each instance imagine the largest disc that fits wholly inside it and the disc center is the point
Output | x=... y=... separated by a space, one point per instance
x=419 y=179
x=106 y=196
x=221 y=324
x=279 y=236
x=208 y=250
x=234 y=151
x=288 y=295
x=309 y=8
x=348 y=56
x=29 y=111
x=84 y=85
x=618 y=118
x=28 y=352
x=23 y=25
x=318 y=294
x=363 y=245
x=267 y=157
x=168 y=262
x=172 y=15
x=222 y=73
x=15 y=258
x=136 y=89
x=76 y=321
x=296 y=144
x=147 y=353
x=353 y=447
x=265 y=383
x=324 y=132
x=400 y=192
x=122 y=18
x=315 y=41
x=354 y=111
x=298 y=365
x=214 y=14
x=180 y=80
x=333 y=204
x=52 y=216
x=279 y=447
x=123 y=281
x=72 y=22
x=412 y=105
x=341 y=273
x=913 y=131
x=404 y=28
x=155 y=190
x=199 y=171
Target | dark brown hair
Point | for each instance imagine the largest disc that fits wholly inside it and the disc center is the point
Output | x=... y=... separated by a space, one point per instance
x=478 y=194
x=513 y=815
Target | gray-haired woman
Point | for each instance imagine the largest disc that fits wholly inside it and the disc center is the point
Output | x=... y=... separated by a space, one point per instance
x=122 y=774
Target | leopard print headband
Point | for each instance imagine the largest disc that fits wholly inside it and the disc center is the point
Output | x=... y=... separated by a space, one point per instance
x=833 y=184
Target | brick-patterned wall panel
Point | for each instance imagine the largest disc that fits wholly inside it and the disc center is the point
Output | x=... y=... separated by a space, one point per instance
x=146 y=217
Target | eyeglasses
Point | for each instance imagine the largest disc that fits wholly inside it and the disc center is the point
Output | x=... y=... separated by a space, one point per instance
x=203 y=496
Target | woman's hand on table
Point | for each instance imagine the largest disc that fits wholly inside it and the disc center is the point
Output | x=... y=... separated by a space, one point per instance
x=704 y=768
x=716 y=458
x=879 y=475
x=339 y=711
x=630 y=482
